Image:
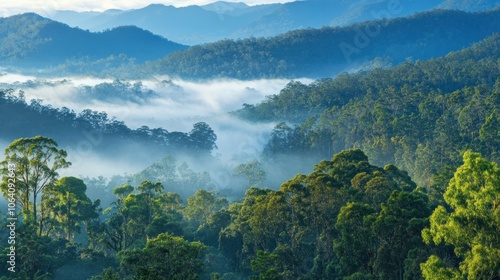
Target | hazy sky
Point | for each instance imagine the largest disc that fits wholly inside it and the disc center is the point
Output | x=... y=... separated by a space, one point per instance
x=45 y=6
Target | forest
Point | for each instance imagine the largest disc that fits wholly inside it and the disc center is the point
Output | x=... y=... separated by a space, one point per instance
x=347 y=219
x=327 y=51
x=379 y=161
x=419 y=116
x=404 y=186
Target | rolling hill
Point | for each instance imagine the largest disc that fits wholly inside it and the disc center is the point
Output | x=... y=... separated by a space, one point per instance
x=30 y=40
x=327 y=51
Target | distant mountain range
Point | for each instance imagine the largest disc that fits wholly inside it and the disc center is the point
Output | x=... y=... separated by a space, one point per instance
x=32 y=40
x=226 y=20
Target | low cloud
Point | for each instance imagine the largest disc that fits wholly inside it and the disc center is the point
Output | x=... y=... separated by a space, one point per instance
x=175 y=105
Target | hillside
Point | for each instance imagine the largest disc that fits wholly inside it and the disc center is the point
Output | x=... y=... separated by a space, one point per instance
x=327 y=51
x=420 y=116
x=31 y=40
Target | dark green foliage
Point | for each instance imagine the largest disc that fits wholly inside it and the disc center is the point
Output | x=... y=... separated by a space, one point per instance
x=470 y=67
x=330 y=223
x=165 y=257
x=347 y=219
x=418 y=116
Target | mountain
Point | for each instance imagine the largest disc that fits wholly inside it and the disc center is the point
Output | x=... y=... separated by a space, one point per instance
x=187 y=25
x=227 y=20
x=327 y=51
x=222 y=7
x=31 y=40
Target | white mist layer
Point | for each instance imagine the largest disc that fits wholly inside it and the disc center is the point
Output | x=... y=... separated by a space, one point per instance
x=176 y=106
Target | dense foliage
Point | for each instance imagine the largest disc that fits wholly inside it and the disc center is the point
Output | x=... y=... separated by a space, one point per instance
x=419 y=116
x=102 y=133
x=411 y=192
x=347 y=219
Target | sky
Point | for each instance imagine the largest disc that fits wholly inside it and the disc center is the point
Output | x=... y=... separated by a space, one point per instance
x=44 y=7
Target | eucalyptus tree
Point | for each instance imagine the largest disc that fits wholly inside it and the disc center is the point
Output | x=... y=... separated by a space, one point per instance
x=37 y=161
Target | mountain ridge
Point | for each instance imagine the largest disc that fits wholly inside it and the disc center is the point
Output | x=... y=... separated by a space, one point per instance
x=32 y=39
x=317 y=53
x=229 y=20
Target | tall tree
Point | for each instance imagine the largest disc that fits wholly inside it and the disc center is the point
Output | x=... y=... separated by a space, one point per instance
x=203 y=204
x=471 y=226
x=70 y=205
x=203 y=137
x=356 y=246
x=37 y=161
x=253 y=171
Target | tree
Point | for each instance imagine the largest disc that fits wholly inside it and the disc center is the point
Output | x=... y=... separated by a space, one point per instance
x=490 y=133
x=471 y=226
x=69 y=205
x=149 y=191
x=402 y=217
x=107 y=274
x=203 y=204
x=112 y=233
x=253 y=171
x=164 y=257
x=203 y=137
x=356 y=246
x=266 y=265
x=37 y=161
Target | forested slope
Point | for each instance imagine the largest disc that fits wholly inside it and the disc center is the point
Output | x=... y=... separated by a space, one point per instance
x=30 y=40
x=327 y=51
x=420 y=115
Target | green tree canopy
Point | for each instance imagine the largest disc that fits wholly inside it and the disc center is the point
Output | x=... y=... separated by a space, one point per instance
x=471 y=227
x=164 y=257
x=37 y=161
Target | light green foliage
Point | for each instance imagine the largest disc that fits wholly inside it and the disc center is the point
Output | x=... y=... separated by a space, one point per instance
x=37 y=162
x=202 y=205
x=471 y=227
x=434 y=269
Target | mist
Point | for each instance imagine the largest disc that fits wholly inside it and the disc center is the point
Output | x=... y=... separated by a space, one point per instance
x=172 y=104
